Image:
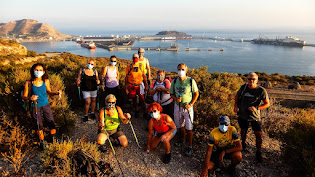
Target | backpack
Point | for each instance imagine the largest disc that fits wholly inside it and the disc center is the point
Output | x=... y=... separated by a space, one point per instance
x=24 y=104
x=84 y=164
x=240 y=97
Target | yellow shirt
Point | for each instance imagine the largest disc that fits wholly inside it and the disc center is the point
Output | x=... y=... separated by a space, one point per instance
x=223 y=140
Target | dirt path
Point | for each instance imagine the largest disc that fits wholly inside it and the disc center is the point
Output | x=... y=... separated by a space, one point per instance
x=135 y=162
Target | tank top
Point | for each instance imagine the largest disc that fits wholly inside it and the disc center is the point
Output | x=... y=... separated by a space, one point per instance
x=163 y=127
x=41 y=92
x=111 y=78
x=135 y=74
x=161 y=97
x=143 y=64
x=111 y=123
x=88 y=82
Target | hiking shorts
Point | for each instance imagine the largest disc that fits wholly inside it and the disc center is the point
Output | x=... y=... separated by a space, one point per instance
x=215 y=157
x=116 y=133
x=89 y=94
x=44 y=113
x=134 y=90
x=244 y=124
x=160 y=134
x=187 y=117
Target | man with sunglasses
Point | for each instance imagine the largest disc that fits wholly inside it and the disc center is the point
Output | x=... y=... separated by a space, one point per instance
x=135 y=78
x=224 y=143
x=185 y=92
x=248 y=105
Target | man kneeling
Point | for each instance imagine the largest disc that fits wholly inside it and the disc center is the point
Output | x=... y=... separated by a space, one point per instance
x=109 y=123
x=224 y=143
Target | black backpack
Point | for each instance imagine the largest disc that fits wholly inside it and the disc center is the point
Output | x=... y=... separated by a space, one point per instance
x=24 y=104
x=84 y=164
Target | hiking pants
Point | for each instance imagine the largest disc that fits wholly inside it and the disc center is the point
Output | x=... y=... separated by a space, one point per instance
x=44 y=112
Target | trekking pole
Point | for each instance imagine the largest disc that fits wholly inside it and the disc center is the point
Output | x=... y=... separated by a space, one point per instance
x=79 y=90
x=63 y=110
x=36 y=114
x=111 y=145
x=134 y=134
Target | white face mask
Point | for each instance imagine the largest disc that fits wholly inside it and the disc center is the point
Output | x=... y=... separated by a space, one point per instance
x=113 y=63
x=155 y=115
x=89 y=66
x=181 y=73
x=223 y=128
x=38 y=73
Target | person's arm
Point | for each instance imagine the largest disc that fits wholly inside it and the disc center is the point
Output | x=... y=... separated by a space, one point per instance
x=193 y=100
x=79 y=78
x=237 y=147
x=124 y=117
x=103 y=76
x=152 y=90
x=101 y=122
x=167 y=87
x=235 y=103
x=25 y=93
x=97 y=79
x=145 y=81
x=49 y=89
x=150 y=133
x=148 y=69
x=206 y=163
x=169 y=122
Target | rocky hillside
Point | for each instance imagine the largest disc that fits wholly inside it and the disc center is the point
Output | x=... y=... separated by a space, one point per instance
x=31 y=28
x=8 y=47
x=171 y=33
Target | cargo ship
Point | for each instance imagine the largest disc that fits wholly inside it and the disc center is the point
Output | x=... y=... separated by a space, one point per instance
x=288 y=41
x=89 y=45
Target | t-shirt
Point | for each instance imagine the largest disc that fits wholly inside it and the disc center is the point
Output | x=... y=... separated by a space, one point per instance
x=223 y=140
x=143 y=64
x=184 y=89
x=159 y=96
x=250 y=97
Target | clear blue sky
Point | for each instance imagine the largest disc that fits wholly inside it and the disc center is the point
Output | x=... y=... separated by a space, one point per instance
x=163 y=14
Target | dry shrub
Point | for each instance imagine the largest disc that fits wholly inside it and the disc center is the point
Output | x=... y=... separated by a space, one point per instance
x=15 y=146
x=56 y=156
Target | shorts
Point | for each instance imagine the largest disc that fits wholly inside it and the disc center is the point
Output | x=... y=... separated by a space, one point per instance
x=160 y=134
x=187 y=117
x=134 y=90
x=44 y=113
x=89 y=94
x=215 y=157
x=116 y=133
x=244 y=124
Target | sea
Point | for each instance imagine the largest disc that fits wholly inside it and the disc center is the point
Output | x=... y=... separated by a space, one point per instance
x=237 y=57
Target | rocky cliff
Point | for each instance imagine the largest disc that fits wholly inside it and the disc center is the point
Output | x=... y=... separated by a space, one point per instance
x=8 y=47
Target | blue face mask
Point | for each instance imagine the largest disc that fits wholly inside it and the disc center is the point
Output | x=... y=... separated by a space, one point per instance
x=38 y=73
x=89 y=66
x=113 y=63
x=223 y=128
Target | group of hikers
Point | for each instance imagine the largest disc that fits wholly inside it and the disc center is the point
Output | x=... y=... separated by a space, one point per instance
x=171 y=113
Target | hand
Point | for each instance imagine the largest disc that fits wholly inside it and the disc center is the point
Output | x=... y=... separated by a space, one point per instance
x=252 y=108
x=102 y=87
x=235 y=108
x=164 y=137
x=78 y=83
x=127 y=115
x=34 y=97
x=101 y=124
x=98 y=82
x=188 y=106
x=222 y=154
x=178 y=99
x=127 y=91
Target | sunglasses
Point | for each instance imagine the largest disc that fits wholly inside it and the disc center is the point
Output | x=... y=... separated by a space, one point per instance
x=90 y=63
x=113 y=61
x=251 y=79
x=154 y=111
x=224 y=123
x=134 y=57
x=181 y=69
x=111 y=102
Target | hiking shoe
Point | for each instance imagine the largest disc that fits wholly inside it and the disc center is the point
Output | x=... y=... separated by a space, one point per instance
x=93 y=116
x=102 y=148
x=189 y=151
x=167 y=158
x=259 y=157
x=43 y=145
x=179 y=144
x=85 y=118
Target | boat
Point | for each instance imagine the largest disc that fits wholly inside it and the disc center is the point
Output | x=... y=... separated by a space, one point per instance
x=288 y=41
x=89 y=45
x=222 y=49
x=173 y=47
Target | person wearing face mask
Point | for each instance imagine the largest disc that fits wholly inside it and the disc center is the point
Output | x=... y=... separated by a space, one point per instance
x=110 y=77
x=160 y=91
x=161 y=129
x=88 y=81
x=36 y=90
x=135 y=77
x=143 y=61
x=224 y=143
x=185 y=92
x=248 y=105
x=109 y=121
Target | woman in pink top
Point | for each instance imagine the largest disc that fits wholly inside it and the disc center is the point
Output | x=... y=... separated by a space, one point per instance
x=110 y=77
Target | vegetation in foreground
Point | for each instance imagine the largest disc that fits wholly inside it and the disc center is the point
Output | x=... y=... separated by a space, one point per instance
x=295 y=127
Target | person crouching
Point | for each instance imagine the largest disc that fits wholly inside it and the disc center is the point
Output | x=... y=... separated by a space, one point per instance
x=165 y=130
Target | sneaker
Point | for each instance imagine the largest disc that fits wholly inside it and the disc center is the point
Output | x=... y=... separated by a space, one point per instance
x=179 y=144
x=43 y=145
x=102 y=148
x=85 y=118
x=189 y=151
x=167 y=158
x=93 y=116
x=259 y=157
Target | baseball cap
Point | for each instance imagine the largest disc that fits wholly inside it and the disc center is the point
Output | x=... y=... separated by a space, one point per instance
x=224 y=119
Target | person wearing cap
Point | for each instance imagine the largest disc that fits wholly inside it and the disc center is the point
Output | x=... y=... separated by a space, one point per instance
x=135 y=77
x=145 y=63
x=110 y=77
x=224 y=143
x=248 y=105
